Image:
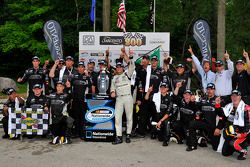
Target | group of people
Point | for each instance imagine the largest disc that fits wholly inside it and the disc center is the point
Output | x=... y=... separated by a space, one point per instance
x=156 y=100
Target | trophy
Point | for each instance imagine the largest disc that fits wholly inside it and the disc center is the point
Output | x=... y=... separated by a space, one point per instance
x=103 y=83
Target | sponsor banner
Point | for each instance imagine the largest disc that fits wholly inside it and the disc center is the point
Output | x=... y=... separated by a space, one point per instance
x=53 y=37
x=201 y=34
x=92 y=45
x=99 y=120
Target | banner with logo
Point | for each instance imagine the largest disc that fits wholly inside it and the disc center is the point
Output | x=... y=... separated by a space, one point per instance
x=92 y=45
x=27 y=121
x=99 y=120
x=201 y=34
x=53 y=37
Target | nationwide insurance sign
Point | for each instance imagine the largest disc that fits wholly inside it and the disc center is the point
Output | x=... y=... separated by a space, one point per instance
x=92 y=45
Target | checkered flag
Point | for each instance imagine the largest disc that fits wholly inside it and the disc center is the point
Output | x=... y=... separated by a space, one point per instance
x=121 y=21
x=28 y=121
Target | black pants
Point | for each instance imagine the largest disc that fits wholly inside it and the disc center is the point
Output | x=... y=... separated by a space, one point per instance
x=229 y=144
x=204 y=126
x=146 y=112
x=164 y=132
x=78 y=114
x=62 y=127
x=5 y=124
x=181 y=129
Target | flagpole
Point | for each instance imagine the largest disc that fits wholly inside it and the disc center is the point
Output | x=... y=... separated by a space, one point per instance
x=94 y=17
x=154 y=18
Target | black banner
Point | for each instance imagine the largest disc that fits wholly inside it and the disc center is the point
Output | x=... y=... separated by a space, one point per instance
x=53 y=37
x=202 y=36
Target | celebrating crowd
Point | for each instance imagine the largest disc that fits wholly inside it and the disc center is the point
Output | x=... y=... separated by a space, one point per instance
x=156 y=100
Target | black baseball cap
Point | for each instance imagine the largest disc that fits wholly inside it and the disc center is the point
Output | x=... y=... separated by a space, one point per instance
x=35 y=58
x=91 y=61
x=210 y=85
x=69 y=58
x=10 y=91
x=219 y=63
x=37 y=86
x=102 y=62
x=164 y=84
x=180 y=65
x=154 y=57
x=188 y=91
x=236 y=92
x=60 y=82
x=81 y=63
x=119 y=64
x=61 y=60
x=239 y=62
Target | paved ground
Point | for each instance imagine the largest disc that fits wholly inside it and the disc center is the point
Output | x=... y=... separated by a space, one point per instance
x=141 y=152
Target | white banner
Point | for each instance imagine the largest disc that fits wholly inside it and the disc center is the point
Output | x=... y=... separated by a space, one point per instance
x=92 y=45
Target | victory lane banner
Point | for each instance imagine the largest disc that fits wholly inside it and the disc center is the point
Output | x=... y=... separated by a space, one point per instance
x=92 y=45
x=27 y=121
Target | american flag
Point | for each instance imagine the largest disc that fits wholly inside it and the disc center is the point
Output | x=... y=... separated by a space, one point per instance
x=121 y=21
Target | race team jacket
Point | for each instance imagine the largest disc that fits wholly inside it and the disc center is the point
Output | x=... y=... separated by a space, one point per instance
x=207 y=111
x=36 y=102
x=34 y=76
x=80 y=82
x=58 y=106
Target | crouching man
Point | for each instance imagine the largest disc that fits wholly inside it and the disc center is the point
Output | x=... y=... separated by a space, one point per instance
x=61 y=121
x=163 y=105
x=235 y=121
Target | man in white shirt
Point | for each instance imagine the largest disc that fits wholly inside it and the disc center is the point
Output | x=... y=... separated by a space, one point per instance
x=223 y=79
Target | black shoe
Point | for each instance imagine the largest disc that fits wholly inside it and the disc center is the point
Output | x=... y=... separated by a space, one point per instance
x=6 y=136
x=153 y=136
x=191 y=148
x=165 y=143
x=118 y=140
x=242 y=156
x=140 y=135
x=133 y=133
x=128 y=139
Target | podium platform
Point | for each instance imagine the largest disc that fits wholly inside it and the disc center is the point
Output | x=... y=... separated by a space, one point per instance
x=99 y=119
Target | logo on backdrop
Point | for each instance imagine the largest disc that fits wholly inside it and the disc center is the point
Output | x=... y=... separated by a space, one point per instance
x=135 y=39
x=88 y=40
x=111 y=40
x=100 y=114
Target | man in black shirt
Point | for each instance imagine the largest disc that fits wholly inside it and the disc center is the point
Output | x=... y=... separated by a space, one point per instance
x=187 y=110
x=163 y=105
x=205 y=119
x=241 y=78
x=79 y=82
x=61 y=121
x=35 y=75
x=37 y=100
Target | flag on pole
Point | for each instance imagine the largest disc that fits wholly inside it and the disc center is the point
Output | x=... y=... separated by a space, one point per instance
x=155 y=52
x=92 y=14
x=121 y=20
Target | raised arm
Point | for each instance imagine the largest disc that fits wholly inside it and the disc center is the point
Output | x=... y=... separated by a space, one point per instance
x=245 y=54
